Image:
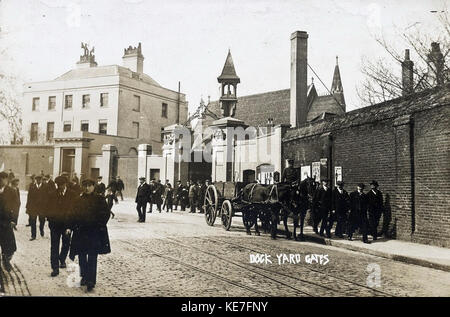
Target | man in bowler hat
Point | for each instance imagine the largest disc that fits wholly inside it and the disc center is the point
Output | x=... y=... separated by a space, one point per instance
x=374 y=208
x=340 y=206
x=358 y=213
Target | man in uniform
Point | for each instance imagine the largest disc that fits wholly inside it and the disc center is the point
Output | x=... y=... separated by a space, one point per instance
x=374 y=208
x=358 y=213
x=324 y=200
x=142 y=198
x=7 y=239
x=340 y=206
x=36 y=205
x=100 y=187
x=62 y=201
x=289 y=174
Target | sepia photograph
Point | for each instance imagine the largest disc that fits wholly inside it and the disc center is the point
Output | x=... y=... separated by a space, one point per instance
x=224 y=153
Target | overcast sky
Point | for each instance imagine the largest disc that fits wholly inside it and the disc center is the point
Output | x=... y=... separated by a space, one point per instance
x=187 y=41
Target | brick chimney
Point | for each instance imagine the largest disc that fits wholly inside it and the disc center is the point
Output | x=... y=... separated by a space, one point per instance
x=299 y=75
x=407 y=75
x=436 y=65
x=133 y=59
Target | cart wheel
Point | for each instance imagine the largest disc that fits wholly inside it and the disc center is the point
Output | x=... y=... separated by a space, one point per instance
x=210 y=204
x=227 y=214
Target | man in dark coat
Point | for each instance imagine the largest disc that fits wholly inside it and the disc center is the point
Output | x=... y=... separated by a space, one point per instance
x=324 y=199
x=7 y=239
x=290 y=174
x=113 y=186
x=185 y=196
x=90 y=235
x=10 y=176
x=340 y=206
x=48 y=181
x=120 y=187
x=36 y=205
x=177 y=194
x=374 y=208
x=142 y=198
x=32 y=177
x=358 y=213
x=15 y=204
x=62 y=201
x=100 y=187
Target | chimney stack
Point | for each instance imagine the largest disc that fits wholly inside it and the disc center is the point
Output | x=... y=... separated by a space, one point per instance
x=407 y=75
x=299 y=75
x=133 y=59
x=436 y=65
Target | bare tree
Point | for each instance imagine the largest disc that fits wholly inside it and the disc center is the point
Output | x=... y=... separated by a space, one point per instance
x=10 y=111
x=383 y=80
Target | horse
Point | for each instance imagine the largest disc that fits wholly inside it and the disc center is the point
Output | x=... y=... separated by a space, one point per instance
x=255 y=197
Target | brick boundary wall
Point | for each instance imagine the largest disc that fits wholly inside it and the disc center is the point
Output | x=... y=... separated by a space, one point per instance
x=404 y=145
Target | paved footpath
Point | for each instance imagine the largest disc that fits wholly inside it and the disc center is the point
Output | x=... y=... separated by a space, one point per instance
x=178 y=254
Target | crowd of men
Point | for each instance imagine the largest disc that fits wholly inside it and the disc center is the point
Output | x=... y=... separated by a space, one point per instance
x=166 y=197
x=76 y=213
x=357 y=210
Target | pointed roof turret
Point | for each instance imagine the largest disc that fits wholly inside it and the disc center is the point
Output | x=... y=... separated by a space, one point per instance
x=336 y=86
x=228 y=71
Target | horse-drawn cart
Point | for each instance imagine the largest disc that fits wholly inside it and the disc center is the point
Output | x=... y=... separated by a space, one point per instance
x=224 y=200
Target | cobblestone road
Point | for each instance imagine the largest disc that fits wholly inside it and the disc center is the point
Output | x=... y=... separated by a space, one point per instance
x=177 y=254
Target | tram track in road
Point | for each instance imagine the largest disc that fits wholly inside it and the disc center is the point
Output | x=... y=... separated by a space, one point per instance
x=195 y=268
x=260 y=251
x=248 y=267
x=13 y=283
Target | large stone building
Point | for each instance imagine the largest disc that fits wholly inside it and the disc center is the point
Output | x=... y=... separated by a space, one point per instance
x=92 y=119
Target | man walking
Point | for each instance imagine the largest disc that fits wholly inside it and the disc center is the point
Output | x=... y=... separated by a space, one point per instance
x=7 y=239
x=62 y=201
x=340 y=206
x=324 y=203
x=142 y=198
x=358 y=213
x=90 y=234
x=120 y=187
x=168 y=198
x=100 y=187
x=36 y=205
x=374 y=208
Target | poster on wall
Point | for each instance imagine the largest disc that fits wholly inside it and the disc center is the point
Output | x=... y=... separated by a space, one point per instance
x=315 y=173
x=305 y=172
x=337 y=174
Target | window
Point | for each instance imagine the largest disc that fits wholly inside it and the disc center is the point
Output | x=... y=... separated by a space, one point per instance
x=104 y=100
x=86 y=101
x=34 y=132
x=136 y=129
x=67 y=126
x=102 y=127
x=68 y=102
x=50 y=130
x=137 y=103
x=51 y=103
x=35 y=106
x=84 y=126
x=164 y=110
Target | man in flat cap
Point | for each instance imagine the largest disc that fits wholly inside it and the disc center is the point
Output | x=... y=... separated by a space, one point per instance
x=340 y=206
x=62 y=201
x=374 y=208
x=36 y=205
x=7 y=239
x=142 y=198
x=358 y=213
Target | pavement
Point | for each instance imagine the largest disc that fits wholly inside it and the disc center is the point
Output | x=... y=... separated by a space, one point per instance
x=178 y=254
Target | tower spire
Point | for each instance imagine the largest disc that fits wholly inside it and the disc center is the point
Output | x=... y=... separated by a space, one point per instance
x=336 y=86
